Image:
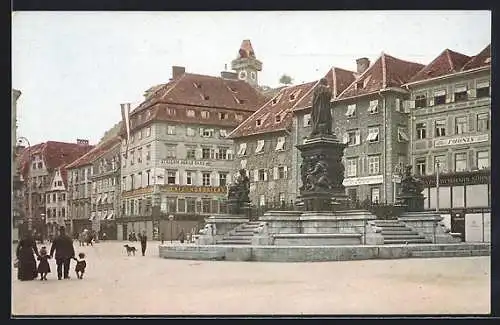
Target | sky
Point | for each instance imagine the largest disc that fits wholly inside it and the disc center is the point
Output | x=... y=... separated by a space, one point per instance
x=74 y=69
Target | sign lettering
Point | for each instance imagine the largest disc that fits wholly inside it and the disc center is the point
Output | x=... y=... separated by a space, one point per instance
x=138 y=191
x=461 y=140
x=194 y=189
x=353 y=181
x=184 y=162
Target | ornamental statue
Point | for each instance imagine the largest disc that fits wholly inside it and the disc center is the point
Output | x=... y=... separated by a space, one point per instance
x=321 y=115
x=238 y=192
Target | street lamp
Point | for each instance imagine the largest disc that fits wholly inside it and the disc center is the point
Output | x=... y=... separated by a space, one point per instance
x=20 y=140
x=437 y=185
x=44 y=223
x=171 y=218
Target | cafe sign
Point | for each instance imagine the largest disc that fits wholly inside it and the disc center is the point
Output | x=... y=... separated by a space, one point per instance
x=354 y=181
x=139 y=191
x=194 y=189
x=461 y=140
x=184 y=162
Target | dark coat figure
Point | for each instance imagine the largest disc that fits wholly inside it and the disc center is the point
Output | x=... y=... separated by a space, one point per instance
x=182 y=236
x=43 y=265
x=144 y=242
x=63 y=246
x=321 y=115
x=25 y=253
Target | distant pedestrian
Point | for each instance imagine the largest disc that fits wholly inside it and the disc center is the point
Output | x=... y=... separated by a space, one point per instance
x=63 y=246
x=104 y=236
x=161 y=237
x=25 y=253
x=182 y=236
x=144 y=241
x=43 y=265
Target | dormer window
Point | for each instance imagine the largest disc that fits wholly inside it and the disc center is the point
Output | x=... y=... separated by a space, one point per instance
x=190 y=113
x=240 y=101
x=277 y=118
x=197 y=85
x=294 y=95
x=205 y=114
x=487 y=60
x=238 y=117
x=170 y=111
x=276 y=99
x=233 y=89
x=360 y=85
x=205 y=97
x=222 y=116
x=258 y=122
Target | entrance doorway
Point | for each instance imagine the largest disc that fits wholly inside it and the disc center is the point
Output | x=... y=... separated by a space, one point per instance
x=458 y=224
x=124 y=231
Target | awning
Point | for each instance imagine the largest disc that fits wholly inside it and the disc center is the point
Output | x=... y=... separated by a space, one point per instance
x=372 y=135
x=402 y=134
x=98 y=199
x=243 y=149
x=103 y=215
x=373 y=106
x=281 y=143
x=440 y=93
x=484 y=84
x=104 y=199
x=460 y=89
x=92 y=216
x=111 y=216
x=350 y=110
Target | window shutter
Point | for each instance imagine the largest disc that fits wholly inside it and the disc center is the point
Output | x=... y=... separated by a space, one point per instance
x=358 y=137
x=275 y=173
x=471 y=93
x=449 y=98
x=265 y=175
x=201 y=132
x=398 y=104
x=256 y=175
x=214 y=181
x=230 y=155
x=346 y=137
x=228 y=178
x=286 y=171
x=431 y=102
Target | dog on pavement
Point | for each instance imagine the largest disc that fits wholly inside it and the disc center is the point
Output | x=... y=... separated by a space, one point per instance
x=130 y=249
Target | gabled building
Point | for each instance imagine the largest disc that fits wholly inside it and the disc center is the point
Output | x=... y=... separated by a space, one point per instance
x=451 y=134
x=179 y=158
x=39 y=164
x=89 y=179
x=369 y=116
x=56 y=204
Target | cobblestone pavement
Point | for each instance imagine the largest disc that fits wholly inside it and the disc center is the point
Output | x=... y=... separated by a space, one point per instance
x=116 y=284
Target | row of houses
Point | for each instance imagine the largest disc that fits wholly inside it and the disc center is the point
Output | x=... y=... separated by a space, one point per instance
x=191 y=134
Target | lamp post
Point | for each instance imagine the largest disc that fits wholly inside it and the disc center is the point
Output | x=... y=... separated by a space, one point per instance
x=44 y=223
x=437 y=186
x=30 y=214
x=398 y=169
x=171 y=218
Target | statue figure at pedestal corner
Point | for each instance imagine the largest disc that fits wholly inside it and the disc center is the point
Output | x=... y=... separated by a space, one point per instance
x=321 y=115
x=316 y=177
x=240 y=190
x=410 y=184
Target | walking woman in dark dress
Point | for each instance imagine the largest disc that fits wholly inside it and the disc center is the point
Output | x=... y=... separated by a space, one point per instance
x=25 y=253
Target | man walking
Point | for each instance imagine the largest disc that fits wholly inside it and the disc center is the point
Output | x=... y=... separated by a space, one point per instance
x=63 y=246
x=144 y=240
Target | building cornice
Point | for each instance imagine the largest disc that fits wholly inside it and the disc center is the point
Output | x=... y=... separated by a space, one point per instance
x=448 y=76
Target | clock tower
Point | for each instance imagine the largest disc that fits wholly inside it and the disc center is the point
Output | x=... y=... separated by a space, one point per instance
x=246 y=64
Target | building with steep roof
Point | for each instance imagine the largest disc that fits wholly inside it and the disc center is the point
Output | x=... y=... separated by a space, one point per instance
x=370 y=118
x=451 y=133
x=179 y=158
x=38 y=166
x=246 y=65
x=17 y=196
x=94 y=188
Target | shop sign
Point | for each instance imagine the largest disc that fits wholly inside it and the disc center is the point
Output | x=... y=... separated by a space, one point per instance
x=184 y=162
x=459 y=179
x=354 y=181
x=461 y=140
x=194 y=189
x=139 y=191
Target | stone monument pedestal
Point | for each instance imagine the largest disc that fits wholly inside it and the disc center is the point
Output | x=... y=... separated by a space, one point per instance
x=217 y=226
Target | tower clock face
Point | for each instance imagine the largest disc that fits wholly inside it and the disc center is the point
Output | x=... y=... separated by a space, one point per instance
x=242 y=75
x=253 y=75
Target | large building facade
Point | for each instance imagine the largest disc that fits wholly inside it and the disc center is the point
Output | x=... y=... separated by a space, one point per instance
x=179 y=160
x=451 y=124
x=17 y=195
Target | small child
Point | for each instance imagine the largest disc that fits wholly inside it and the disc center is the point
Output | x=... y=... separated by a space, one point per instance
x=43 y=266
x=81 y=264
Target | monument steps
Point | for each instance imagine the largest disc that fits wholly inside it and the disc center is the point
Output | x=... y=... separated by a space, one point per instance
x=450 y=253
x=241 y=235
x=395 y=232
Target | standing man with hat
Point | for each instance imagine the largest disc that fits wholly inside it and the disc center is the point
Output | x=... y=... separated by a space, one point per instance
x=63 y=245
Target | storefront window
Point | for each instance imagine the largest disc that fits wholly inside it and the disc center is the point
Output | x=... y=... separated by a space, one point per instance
x=191 y=204
x=460 y=162
x=477 y=195
x=458 y=196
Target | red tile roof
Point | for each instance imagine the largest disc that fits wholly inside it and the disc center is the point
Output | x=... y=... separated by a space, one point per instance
x=447 y=62
x=198 y=92
x=386 y=72
x=95 y=153
x=64 y=175
x=281 y=105
x=483 y=59
x=54 y=154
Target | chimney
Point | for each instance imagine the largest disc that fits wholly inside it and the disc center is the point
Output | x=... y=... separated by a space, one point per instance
x=362 y=65
x=177 y=71
x=229 y=75
x=82 y=141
